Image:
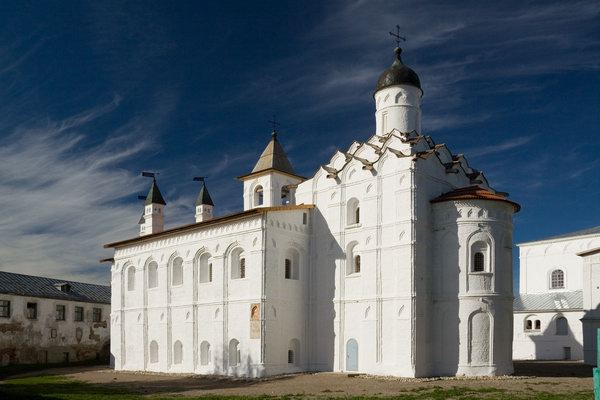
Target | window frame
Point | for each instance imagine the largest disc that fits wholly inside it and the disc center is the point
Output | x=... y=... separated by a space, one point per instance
x=75 y=312
x=61 y=312
x=5 y=310
x=96 y=314
x=560 y=273
x=34 y=308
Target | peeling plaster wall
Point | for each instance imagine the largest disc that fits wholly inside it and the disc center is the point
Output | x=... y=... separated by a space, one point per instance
x=29 y=341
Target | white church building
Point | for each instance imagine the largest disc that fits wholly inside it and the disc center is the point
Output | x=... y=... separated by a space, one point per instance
x=394 y=258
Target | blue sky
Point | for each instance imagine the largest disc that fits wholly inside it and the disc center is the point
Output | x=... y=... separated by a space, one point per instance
x=94 y=92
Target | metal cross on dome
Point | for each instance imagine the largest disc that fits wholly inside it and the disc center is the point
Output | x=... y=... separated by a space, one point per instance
x=397 y=36
x=274 y=122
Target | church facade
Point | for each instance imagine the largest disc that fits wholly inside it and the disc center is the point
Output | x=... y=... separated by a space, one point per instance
x=393 y=259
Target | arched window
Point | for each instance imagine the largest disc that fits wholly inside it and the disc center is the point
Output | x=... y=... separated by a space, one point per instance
x=131 y=278
x=204 y=353
x=238 y=264
x=532 y=323
x=258 y=196
x=478 y=262
x=205 y=268
x=177 y=352
x=234 y=353
x=153 y=352
x=285 y=195
x=353 y=212
x=562 y=326
x=528 y=325
x=152 y=275
x=557 y=279
x=293 y=355
x=292 y=264
x=177 y=271
x=479 y=256
x=353 y=260
x=538 y=325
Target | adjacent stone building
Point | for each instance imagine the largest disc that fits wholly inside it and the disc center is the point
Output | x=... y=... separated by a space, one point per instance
x=551 y=300
x=394 y=258
x=45 y=320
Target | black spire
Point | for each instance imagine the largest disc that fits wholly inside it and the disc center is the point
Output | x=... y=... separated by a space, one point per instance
x=154 y=196
x=203 y=197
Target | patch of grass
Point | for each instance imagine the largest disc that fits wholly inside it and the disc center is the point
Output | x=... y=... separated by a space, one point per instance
x=58 y=387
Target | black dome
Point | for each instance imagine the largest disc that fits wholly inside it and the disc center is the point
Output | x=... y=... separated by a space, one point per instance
x=398 y=74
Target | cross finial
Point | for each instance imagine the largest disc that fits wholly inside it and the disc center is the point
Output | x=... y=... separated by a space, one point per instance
x=275 y=125
x=397 y=36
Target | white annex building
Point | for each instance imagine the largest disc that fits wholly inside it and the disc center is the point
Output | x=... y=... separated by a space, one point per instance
x=555 y=293
x=394 y=258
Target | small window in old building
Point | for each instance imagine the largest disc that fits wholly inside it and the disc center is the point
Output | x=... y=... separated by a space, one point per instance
x=78 y=314
x=60 y=312
x=258 y=196
x=288 y=268
x=562 y=326
x=528 y=325
x=304 y=218
x=478 y=262
x=538 y=325
x=357 y=264
x=97 y=315
x=210 y=272
x=290 y=356
x=53 y=333
x=5 y=308
x=285 y=196
x=32 y=310
x=177 y=271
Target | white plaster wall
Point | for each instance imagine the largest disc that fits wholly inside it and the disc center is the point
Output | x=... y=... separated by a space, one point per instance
x=398 y=107
x=545 y=344
x=591 y=305
x=537 y=260
x=272 y=182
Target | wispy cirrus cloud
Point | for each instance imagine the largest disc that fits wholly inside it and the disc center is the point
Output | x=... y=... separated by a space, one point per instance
x=510 y=144
x=62 y=197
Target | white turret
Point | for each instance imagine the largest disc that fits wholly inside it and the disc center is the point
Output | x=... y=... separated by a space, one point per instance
x=153 y=220
x=398 y=99
x=204 y=204
x=272 y=181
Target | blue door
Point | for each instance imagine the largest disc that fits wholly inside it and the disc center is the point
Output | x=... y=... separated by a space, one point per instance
x=352 y=355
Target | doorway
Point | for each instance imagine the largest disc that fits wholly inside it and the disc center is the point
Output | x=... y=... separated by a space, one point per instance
x=352 y=355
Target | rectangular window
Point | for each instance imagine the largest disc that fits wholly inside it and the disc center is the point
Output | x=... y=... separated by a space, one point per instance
x=5 y=308
x=60 y=312
x=53 y=333
x=288 y=269
x=304 y=218
x=242 y=268
x=31 y=310
x=210 y=272
x=97 y=315
x=78 y=314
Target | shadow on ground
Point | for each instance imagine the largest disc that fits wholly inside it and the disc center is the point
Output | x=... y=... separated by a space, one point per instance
x=550 y=369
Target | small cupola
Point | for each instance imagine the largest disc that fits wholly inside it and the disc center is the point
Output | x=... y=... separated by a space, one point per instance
x=153 y=219
x=272 y=180
x=204 y=203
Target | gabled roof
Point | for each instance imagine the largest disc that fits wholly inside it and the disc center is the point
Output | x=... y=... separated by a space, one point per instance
x=273 y=157
x=549 y=301
x=204 y=197
x=37 y=286
x=154 y=196
x=474 y=193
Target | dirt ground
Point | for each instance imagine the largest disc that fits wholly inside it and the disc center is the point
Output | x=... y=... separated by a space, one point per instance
x=555 y=377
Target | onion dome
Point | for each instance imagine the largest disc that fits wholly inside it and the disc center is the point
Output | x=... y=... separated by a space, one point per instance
x=398 y=74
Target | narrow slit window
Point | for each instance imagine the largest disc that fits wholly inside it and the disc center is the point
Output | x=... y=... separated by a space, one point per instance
x=478 y=262
x=288 y=268
x=242 y=268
